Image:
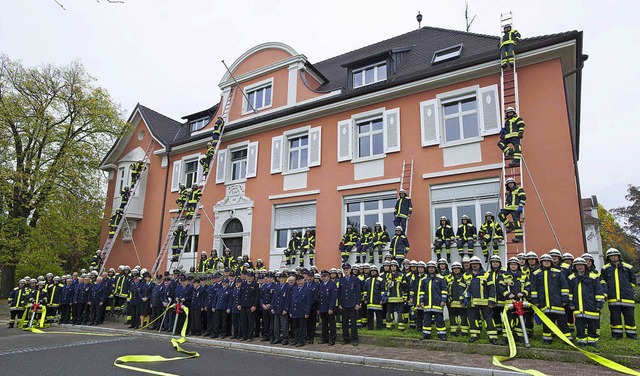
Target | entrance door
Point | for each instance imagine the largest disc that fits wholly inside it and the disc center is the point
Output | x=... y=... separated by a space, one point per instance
x=234 y=243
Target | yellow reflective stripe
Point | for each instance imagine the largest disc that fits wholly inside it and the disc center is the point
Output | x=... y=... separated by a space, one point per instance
x=430 y=294
x=512 y=348
x=546 y=288
x=580 y=306
x=615 y=277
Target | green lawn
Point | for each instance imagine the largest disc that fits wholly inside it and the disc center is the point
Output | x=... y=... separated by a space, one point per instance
x=608 y=346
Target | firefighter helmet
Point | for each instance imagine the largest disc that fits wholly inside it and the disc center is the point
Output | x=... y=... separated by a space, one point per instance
x=510 y=109
x=613 y=252
x=495 y=258
x=513 y=260
x=364 y=266
x=531 y=255
x=545 y=257
x=521 y=255
x=488 y=214
x=394 y=262
x=411 y=263
x=466 y=259
x=431 y=264
x=443 y=218
x=567 y=256
x=374 y=268
x=587 y=256
x=510 y=180
x=475 y=260
x=456 y=264
x=386 y=262
x=580 y=261
x=422 y=264
x=465 y=217
x=443 y=261
x=555 y=252
x=22 y=281
x=398 y=228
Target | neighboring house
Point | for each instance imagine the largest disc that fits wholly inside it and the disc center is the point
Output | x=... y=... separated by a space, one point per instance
x=591 y=226
x=326 y=145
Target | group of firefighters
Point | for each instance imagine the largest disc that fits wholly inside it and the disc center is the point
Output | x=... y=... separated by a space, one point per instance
x=243 y=301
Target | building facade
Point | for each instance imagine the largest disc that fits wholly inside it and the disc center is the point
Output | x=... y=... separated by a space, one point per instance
x=322 y=145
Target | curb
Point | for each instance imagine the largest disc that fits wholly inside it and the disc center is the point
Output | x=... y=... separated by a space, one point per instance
x=317 y=355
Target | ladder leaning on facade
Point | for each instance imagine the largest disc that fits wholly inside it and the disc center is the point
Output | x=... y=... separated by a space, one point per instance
x=406 y=183
x=509 y=98
x=168 y=240
x=108 y=245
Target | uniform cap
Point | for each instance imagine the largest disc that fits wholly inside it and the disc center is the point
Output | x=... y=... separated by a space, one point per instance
x=346 y=265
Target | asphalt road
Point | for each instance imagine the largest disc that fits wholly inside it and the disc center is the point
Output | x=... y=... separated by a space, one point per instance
x=25 y=353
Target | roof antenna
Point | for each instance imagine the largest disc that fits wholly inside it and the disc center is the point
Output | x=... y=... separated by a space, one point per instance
x=466 y=16
x=419 y=18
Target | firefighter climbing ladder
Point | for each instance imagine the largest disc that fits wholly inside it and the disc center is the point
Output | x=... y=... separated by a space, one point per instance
x=406 y=183
x=509 y=98
x=168 y=240
x=108 y=245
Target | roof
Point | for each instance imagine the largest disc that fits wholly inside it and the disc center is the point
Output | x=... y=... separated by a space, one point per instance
x=415 y=63
x=161 y=127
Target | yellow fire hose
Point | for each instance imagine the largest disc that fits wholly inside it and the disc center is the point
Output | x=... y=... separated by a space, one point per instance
x=497 y=360
x=121 y=361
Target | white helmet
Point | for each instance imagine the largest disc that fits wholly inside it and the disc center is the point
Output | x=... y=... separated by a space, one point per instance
x=510 y=180
x=510 y=109
x=475 y=260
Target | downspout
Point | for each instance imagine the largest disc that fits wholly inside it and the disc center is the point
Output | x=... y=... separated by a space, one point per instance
x=578 y=72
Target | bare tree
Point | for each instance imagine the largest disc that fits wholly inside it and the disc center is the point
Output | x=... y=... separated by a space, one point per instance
x=466 y=16
x=97 y=1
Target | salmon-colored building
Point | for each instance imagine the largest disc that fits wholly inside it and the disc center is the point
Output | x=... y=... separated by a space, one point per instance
x=327 y=141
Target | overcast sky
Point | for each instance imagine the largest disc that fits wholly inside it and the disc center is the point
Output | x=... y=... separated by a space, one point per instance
x=166 y=54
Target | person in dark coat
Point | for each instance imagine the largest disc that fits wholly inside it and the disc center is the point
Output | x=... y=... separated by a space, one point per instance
x=247 y=302
x=197 y=307
x=299 y=310
x=349 y=297
x=327 y=297
x=280 y=309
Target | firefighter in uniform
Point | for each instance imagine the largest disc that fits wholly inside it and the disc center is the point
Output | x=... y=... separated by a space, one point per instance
x=53 y=304
x=17 y=299
x=364 y=244
x=136 y=171
x=620 y=280
x=349 y=298
x=96 y=260
x=490 y=233
x=192 y=201
x=114 y=221
x=125 y=194
x=514 y=205
x=466 y=236
x=550 y=292
x=205 y=161
x=179 y=239
x=513 y=285
x=399 y=246
x=511 y=135
x=495 y=275
x=457 y=285
x=183 y=196
x=203 y=263
x=380 y=240
x=481 y=295
x=308 y=246
x=292 y=248
x=372 y=296
x=586 y=299
x=394 y=291
x=217 y=130
x=444 y=236
x=403 y=209
x=433 y=295
x=508 y=46
x=349 y=240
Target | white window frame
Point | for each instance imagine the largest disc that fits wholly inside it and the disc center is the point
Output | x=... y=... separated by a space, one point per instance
x=288 y=136
x=300 y=148
x=363 y=117
x=370 y=134
x=240 y=162
x=446 y=54
x=467 y=201
x=274 y=231
x=122 y=179
x=361 y=198
x=457 y=96
x=375 y=74
x=186 y=160
x=246 y=108
x=199 y=124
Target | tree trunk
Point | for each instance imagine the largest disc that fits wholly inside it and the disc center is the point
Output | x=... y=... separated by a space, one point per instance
x=8 y=280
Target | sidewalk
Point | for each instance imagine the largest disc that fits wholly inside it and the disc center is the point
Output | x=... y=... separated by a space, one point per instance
x=446 y=362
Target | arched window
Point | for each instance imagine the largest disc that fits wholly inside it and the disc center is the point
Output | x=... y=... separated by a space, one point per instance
x=234 y=226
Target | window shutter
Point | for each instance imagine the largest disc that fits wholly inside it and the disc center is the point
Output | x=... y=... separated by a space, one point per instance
x=392 y=130
x=295 y=216
x=199 y=180
x=315 y=146
x=490 y=107
x=252 y=159
x=175 y=177
x=345 y=140
x=276 y=154
x=221 y=166
x=430 y=122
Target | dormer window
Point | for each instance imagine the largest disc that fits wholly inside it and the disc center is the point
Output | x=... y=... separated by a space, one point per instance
x=259 y=96
x=370 y=74
x=446 y=54
x=196 y=125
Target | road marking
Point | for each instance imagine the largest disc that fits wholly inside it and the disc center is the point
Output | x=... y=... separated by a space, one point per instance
x=53 y=347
